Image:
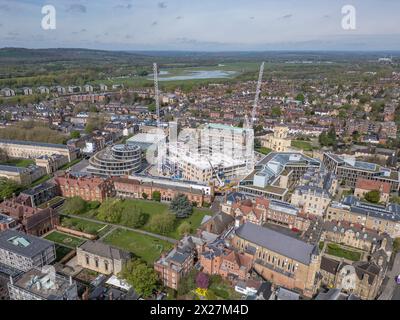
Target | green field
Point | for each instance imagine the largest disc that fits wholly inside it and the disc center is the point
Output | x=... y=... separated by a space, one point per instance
x=65 y=239
x=143 y=246
x=22 y=163
x=303 y=145
x=336 y=250
x=152 y=208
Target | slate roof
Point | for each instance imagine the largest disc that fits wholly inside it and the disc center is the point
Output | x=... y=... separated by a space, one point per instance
x=104 y=250
x=275 y=241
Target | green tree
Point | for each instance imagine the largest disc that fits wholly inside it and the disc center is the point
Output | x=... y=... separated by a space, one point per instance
x=156 y=196
x=185 y=227
x=181 y=206
x=276 y=112
x=110 y=211
x=75 y=135
x=75 y=205
x=141 y=277
x=145 y=195
x=187 y=283
x=372 y=196
x=134 y=219
x=162 y=223
x=7 y=188
x=300 y=97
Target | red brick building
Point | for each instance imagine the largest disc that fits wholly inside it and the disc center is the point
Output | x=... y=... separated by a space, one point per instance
x=229 y=264
x=33 y=221
x=131 y=188
x=88 y=188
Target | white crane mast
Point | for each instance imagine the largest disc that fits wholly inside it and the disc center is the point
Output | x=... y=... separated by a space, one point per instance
x=258 y=90
x=156 y=93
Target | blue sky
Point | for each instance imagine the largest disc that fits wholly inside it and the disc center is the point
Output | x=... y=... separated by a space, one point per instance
x=202 y=24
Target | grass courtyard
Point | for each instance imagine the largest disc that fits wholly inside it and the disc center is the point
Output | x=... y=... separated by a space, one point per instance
x=22 y=163
x=303 y=145
x=65 y=239
x=263 y=150
x=143 y=246
x=153 y=208
x=85 y=226
x=338 y=251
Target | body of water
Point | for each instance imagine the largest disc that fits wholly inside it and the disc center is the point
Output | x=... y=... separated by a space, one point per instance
x=201 y=74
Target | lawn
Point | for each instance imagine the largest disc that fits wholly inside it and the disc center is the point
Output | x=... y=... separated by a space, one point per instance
x=61 y=252
x=40 y=180
x=153 y=207
x=194 y=220
x=338 y=251
x=143 y=246
x=303 y=145
x=84 y=225
x=22 y=163
x=263 y=150
x=65 y=239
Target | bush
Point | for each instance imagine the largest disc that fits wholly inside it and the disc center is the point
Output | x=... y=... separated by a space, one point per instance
x=156 y=196
x=184 y=228
x=92 y=205
x=134 y=219
x=110 y=211
x=162 y=223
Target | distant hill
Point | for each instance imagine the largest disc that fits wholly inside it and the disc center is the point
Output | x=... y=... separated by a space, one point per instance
x=12 y=55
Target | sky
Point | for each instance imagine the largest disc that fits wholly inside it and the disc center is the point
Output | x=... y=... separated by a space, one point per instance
x=202 y=25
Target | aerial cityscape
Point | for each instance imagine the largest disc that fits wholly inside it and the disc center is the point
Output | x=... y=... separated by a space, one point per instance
x=176 y=158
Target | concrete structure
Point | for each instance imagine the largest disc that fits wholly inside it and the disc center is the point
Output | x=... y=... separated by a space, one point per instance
x=23 y=252
x=118 y=160
x=214 y=152
x=348 y=170
x=275 y=174
x=43 y=284
x=101 y=257
x=30 y=149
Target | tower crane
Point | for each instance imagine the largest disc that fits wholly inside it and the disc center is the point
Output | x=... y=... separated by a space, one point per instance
x=156 y=93
x=249 y=124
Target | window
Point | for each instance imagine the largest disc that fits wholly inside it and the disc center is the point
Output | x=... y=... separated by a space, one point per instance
x=87 y=259
x=96 y=262
x=106 y=265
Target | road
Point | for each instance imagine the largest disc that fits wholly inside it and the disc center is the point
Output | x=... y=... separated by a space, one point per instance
x=392 y=290
x=171 y=240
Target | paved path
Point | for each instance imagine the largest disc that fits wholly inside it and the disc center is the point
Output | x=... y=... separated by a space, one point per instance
x=391 y=289
x=171 y=240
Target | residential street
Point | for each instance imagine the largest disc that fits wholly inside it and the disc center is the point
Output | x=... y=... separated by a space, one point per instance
x=392 y=290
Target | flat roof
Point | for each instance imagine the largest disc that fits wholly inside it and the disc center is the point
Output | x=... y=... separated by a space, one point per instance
x=23 y=244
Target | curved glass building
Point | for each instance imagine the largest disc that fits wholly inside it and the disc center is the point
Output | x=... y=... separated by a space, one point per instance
x=118 y=160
